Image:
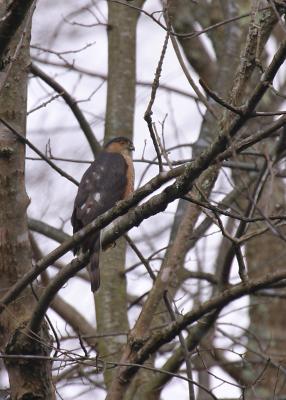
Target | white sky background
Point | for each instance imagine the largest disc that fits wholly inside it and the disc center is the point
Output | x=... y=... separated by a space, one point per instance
x=52 y=196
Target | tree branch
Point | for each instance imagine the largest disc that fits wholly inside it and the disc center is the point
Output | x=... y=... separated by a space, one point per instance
x=71 y=102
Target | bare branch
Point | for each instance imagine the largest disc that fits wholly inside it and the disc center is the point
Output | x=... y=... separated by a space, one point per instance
x=148 y=112
x=85 y=126
x=37 y=151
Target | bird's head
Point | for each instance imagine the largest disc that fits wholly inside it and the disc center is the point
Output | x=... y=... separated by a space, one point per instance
x=120 y=144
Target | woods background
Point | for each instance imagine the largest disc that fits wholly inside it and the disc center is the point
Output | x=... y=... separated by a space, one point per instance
x=192 y=297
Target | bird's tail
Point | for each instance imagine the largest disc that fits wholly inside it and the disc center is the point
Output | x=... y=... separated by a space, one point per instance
x=93 y=267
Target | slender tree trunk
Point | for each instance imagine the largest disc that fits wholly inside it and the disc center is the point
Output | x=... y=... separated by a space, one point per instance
x=111 y=300
x=28 y=378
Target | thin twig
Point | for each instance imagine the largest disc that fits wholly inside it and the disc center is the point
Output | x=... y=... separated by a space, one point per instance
x=37 y=151
x=71 y=102
x=187 y=355
x=218 y=99
x=140 y=256
x=190 y=79
x=148 y=112
x=75 y=68
x=45 y=103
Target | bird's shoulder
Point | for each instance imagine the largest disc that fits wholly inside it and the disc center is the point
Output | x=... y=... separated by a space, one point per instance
x=104 y=164
x=106 y=176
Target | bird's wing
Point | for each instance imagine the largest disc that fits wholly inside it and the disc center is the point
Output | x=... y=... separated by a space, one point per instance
x=102 y=185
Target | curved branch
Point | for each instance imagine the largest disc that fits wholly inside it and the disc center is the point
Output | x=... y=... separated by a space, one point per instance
x=47 y=297
x=49 y=231
x=85 y=126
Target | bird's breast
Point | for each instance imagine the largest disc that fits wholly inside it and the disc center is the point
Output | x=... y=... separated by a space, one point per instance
x=130 y=177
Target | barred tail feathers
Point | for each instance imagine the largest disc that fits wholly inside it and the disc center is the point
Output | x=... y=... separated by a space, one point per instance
x=93 y=267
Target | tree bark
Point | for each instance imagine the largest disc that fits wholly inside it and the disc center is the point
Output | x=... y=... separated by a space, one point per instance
x=28 y=378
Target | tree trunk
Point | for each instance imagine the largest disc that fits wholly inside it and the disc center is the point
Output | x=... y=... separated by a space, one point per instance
x=267 y=324
x=111 y=300
x=28 y=378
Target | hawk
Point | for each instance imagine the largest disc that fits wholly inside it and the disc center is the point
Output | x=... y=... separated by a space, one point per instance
x=108 y=179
